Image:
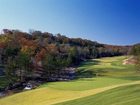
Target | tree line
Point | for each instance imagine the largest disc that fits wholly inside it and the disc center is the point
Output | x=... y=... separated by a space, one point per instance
x=46 y=55
x=136 y=52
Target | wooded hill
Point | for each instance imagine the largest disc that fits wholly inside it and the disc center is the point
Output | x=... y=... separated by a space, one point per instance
x=42 y=54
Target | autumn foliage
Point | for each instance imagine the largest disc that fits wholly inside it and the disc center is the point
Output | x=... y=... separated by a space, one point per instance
x=46 y=52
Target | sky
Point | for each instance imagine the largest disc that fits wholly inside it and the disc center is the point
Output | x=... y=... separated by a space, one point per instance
x=114 y=22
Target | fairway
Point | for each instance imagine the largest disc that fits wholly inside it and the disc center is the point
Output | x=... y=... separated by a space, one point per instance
x=93 y=76
x=45 y=96
x=125 y=95
x=70 y=52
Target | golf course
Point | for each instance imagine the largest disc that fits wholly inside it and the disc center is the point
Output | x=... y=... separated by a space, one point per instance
x=103 y=81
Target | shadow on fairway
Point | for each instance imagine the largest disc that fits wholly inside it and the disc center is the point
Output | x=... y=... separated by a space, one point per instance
x=89 y=73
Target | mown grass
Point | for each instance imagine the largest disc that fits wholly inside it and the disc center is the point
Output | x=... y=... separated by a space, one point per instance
x=86 y=83
x=125 y=95
x=99 y=73
x=110 y=66
x=47 y=96
x=93 y=74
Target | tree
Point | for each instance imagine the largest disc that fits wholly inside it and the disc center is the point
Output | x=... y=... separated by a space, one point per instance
x=10 y=70
x=49 y=52
x=73 y=55
x=136 y=52
x=49 y=65
x=23 y=63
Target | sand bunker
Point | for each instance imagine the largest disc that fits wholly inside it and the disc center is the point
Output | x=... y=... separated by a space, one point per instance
x=130 y=60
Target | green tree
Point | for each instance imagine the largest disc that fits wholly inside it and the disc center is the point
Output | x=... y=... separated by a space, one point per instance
x=10 y=70
x=74 y=54
x=53 y=64
x=23 y=63
x=136 y=52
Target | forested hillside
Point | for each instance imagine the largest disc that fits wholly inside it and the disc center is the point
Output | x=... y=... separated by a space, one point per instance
x=42 y=54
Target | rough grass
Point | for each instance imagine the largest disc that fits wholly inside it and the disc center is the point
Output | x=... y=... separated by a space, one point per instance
x=125 y=95
x=94 y=76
